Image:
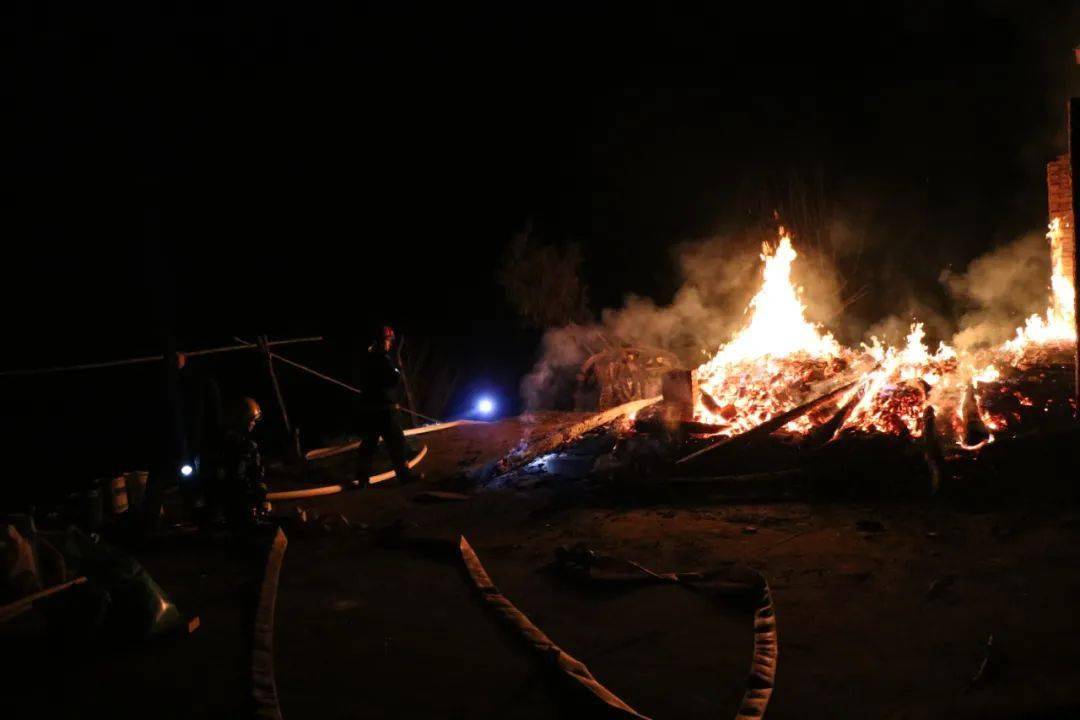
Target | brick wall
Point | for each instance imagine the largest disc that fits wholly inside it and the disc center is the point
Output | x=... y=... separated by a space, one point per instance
x=1059 y=194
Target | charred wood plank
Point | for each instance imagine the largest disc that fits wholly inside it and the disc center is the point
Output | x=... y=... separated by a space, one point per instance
x=528 y=451
x=826 y=432
x=772 y=424
x=679 y=390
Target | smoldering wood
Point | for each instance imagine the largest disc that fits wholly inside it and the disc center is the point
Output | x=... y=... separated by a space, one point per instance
x=527 y=451
x=773 y=424
x=710 y=403
x=826 y=432
x=679 y=390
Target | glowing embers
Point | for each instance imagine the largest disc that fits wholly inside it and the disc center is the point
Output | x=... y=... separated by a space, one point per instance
x=779 y=361
x=898 y=390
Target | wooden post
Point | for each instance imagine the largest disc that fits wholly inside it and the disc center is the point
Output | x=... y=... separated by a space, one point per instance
x=1074 y=148
x=292 y=441
x=405 y=383
x=679 y=389
x=170 y=450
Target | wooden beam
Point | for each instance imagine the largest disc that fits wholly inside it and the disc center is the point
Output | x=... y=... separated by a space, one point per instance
x=528 y=451
x=772 y=424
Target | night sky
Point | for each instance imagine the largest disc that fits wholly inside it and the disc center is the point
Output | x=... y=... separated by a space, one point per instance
x=281 y=169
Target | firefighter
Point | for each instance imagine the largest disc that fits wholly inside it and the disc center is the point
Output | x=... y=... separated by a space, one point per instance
x=376 y=409
x=241 y=487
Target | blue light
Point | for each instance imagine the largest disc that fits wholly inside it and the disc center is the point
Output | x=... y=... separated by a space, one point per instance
x=485 y=406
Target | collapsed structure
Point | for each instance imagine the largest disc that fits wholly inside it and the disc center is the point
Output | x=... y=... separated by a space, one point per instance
x=781 y=371
x=779 y=361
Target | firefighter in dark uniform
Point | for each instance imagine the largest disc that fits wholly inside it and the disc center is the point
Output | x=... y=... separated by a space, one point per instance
x=378 y=377
x=241 y=488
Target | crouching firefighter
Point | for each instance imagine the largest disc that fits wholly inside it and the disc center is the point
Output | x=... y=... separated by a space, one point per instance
x=241 y=487
x=376 y=410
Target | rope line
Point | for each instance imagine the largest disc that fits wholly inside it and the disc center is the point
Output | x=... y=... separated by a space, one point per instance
x=339 y=383
x=147 y=358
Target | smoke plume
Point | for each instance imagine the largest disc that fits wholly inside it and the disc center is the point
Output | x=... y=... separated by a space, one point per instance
x=719 y=276
x=999 y=289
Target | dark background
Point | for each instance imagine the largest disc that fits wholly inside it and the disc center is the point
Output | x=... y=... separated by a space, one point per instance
x=199 y=170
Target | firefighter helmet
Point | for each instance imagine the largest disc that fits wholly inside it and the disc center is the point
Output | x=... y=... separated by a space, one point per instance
x=246 y=413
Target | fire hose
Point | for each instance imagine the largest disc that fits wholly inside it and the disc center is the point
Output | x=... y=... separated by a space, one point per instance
x=321 y=453
x=334 y=489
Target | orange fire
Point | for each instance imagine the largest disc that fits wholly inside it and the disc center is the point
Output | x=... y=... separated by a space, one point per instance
x=770 y=364
x=897 y=391
x=779 y=360
x=1059 y=324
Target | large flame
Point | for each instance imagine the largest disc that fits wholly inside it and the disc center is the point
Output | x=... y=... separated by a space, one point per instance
x=1059 y=324
x=777 y=325
x=769 y=363
x=780 y=360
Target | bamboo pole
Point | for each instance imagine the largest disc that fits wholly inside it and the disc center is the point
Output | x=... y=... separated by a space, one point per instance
x=292 y=443
x=149 y=358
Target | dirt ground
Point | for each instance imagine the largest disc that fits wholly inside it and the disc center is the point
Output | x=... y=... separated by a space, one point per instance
x=883 y=611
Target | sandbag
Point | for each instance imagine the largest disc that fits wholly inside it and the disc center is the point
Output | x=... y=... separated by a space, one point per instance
x=139 y=608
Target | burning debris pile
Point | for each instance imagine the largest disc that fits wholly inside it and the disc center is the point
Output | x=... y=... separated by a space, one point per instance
x=779 y=361
x=829 y=409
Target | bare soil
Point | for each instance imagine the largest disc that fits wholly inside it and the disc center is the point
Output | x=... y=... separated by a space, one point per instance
x=883 y=610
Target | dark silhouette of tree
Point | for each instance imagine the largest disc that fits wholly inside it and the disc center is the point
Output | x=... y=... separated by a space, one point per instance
x=543 y=282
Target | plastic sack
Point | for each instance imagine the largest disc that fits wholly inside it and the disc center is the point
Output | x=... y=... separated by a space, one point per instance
x=139 y=606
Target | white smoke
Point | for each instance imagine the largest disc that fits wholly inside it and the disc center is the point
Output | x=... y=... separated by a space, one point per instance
x=999 y=289
x=719 y=276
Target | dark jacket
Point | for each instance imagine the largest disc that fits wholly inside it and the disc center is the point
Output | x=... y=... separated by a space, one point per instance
x=378 y=379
